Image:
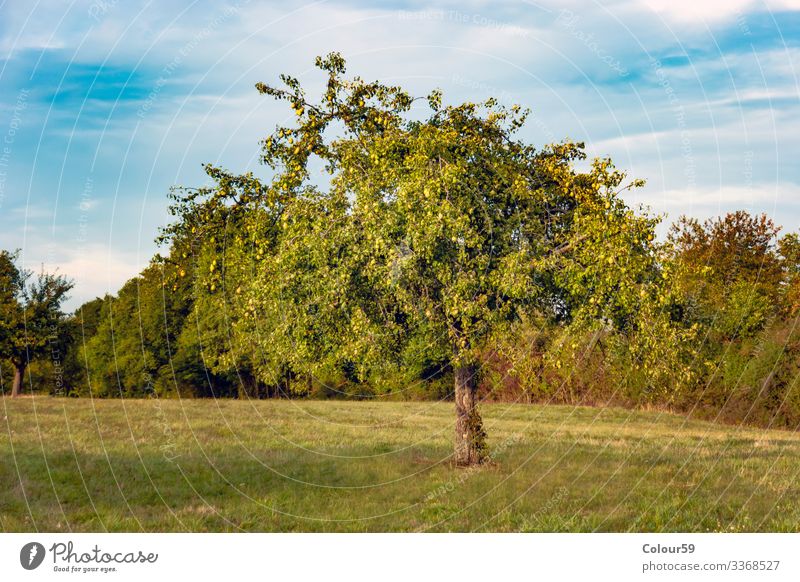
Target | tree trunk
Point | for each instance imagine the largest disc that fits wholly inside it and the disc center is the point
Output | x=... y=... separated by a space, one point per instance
x=19 y=374
x=470 y=437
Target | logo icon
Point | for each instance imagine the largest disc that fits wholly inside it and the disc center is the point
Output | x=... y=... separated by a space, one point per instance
x=31 y=555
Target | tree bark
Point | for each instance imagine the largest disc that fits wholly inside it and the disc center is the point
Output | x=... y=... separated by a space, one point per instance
x=470 y=448
x=19 y=374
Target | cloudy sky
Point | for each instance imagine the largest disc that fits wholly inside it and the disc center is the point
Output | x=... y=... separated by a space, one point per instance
x=105 y=104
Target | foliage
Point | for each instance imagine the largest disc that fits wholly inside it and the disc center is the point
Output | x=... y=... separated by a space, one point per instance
x=435 y=230
x=31 y=320
x=142 y=345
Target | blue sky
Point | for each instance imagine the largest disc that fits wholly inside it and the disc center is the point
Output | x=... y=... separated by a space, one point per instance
x=106 y=104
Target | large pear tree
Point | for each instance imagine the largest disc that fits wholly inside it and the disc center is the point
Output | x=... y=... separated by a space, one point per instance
x=394 y=226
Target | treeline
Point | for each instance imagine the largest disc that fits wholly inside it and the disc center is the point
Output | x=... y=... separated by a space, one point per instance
x=732 y=282
x=139 y=343
x=440 y=258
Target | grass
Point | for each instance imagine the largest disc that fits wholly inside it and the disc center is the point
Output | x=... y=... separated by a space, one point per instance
x=199 y=465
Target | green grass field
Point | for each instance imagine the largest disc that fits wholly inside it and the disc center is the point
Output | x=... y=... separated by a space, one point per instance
x=167 y=465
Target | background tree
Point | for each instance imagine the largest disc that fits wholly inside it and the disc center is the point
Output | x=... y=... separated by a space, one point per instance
x=31 y=320
x=789 y=249
x=728 y=271
x=431 y=234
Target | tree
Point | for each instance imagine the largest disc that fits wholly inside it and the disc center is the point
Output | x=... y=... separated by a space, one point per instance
x=31 y=319
x=738 y=246
x=429 y=236
x=789 y=249
x=135 y=336
x=729 y=270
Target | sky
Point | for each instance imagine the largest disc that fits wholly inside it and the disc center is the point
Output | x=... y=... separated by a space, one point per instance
x=104 y=105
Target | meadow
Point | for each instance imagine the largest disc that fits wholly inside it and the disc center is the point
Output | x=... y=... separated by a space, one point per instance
x=304 y=465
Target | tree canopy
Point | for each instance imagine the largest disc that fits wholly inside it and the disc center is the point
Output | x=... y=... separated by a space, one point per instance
x=431 y=233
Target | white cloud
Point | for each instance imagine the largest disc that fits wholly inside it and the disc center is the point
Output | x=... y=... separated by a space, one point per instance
x=96 y=269
x=708 y=202
x=710 y=11
x=692 y=10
